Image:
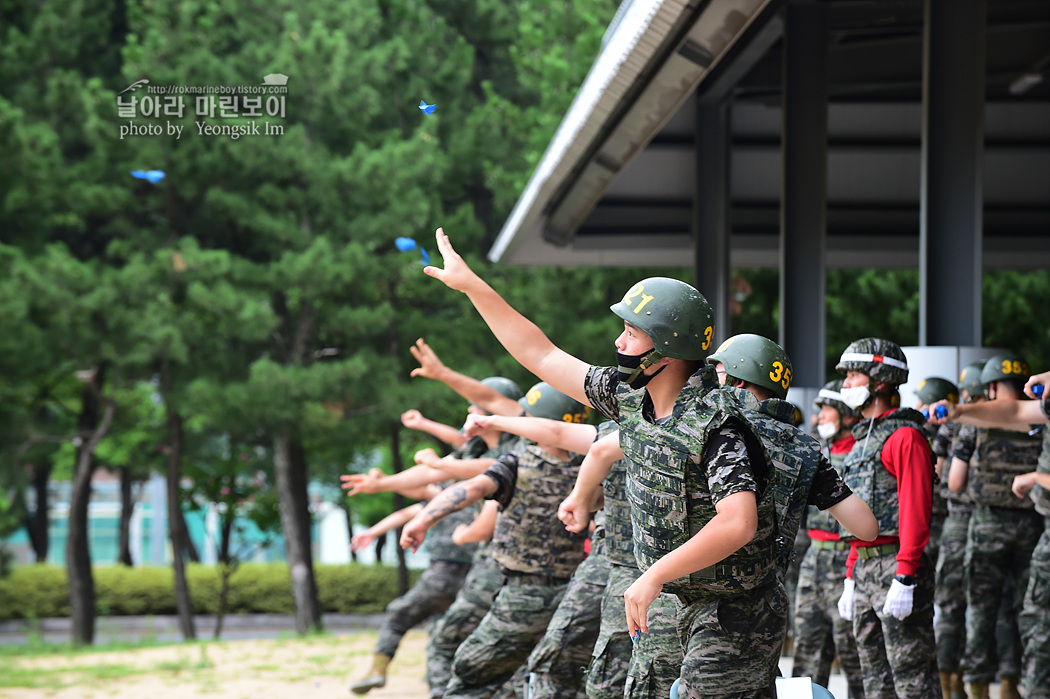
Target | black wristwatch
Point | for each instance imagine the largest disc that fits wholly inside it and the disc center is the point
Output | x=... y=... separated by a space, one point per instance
x=905 y=579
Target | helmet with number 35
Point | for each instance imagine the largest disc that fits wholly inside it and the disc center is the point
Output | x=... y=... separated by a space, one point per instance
x=757 y=360
x=675 y=316
x=1004 y=367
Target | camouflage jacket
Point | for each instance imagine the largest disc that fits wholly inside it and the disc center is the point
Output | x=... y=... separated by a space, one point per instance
x=998 y=457
x=1041 y=496
x=619 y=535
x=865 y=473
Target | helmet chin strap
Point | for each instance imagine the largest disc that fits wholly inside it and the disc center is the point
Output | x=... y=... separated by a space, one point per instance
x=650 y=358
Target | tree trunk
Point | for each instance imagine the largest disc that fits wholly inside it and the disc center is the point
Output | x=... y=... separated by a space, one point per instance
x=177 y=525
x=402 y=565
x=290 y=471
x=345 y=504
x=126 y=508
x=78 y=554
x=37 y=521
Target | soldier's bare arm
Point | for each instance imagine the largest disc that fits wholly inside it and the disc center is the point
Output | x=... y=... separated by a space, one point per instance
x=519 y=335
x=452 y=499
x=958 y=474
x=1026 y=481
x=575 y=510
x=481 y=529
x=569 y=436
x=855 y=515
x=415 y=420
x=431 y=367
x=1016 y=415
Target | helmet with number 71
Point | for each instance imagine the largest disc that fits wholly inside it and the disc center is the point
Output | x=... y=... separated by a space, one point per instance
x=881 y=360
x=675 y=316
x=757 y=360
x=1004 y=367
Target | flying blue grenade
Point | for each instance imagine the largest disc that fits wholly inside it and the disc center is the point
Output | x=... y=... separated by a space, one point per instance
x=153 y=176
x=407 y=245
x=427 y=108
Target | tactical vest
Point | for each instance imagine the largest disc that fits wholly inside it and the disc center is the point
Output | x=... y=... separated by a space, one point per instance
x=668 y=490
x=529 y=537
x=1039 y=495
x=619 y=535
x=865 y=473
x=998 y=457
x=823 y=520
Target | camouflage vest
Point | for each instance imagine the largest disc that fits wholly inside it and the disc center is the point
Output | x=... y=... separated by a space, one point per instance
x=669 y=493
x=998 y=457
x=529 y=537
x=865 y=473
x=1039 y=495
x=619 y=536
x=940 y=485
x=823 y=520
x=793 y=458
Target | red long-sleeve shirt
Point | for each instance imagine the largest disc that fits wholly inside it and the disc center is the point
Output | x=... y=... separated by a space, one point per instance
x=841 y=446
x=907 y=457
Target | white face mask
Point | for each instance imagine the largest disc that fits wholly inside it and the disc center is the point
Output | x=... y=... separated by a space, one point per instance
x=827 y=430
x=856 y=396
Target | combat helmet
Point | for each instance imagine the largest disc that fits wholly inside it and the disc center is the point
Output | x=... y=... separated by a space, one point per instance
x=882 y=360
x=935 y=388
x=543 y=400
x=503 y=386
x=970 y=380
x=1005 y=366
x=675 y=316
x=757 y=360
x=831 y=396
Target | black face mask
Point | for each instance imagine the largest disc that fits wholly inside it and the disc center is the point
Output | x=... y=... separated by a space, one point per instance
x=631 y=367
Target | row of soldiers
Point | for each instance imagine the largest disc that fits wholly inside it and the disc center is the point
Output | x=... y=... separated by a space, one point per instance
x=705 y=481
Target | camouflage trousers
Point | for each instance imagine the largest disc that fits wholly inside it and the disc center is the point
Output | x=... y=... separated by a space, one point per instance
x=432 y=594
x=933 y=546
x=898 y=657
x=607 y=673
x=791 y=581
x=998 y=551
x=820 y=633
x=950 y=595
x=472 y=604
x=657 y=656
x=1035 y=622
x=732 y=643
x=504 y=638
x=555 y=667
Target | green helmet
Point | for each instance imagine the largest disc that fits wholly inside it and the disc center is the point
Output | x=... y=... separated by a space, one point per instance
x=757 y=360
x=504 y=387
x=831 y=396
x=1004 y=367
x=542 y=400
x=882 y=360
x=675 y=316
x=935 y=388
x=970 y=379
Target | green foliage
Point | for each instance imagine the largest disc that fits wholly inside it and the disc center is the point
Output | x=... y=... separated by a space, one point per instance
x=39 y=591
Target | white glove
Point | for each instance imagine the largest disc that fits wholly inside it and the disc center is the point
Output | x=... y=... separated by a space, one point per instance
x=899 y=600
x=846 y=601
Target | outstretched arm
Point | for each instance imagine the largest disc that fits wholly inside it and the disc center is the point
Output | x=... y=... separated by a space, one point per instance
x=1016 y=415
x=481 y=529
x=391 y=521
x=412 y=482
x=431 y=367
x=569 y=436
x=414 y=420
x=519 y=335
x=452 y=499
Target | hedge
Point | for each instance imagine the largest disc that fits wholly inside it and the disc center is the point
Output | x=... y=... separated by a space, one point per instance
x=42 y=591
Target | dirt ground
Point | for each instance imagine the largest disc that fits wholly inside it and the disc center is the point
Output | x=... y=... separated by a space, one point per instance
x=312 y=668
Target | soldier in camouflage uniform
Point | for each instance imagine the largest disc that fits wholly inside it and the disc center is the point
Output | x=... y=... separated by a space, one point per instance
x=535 y=551
x=696 y=478
x=1003 y=528
x=821 y=633
x=888 y=591
x=929 y=391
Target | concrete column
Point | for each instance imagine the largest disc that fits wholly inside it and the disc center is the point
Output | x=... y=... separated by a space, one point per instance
x=711 y=224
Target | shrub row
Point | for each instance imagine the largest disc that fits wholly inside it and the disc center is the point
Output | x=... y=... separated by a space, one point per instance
x=41 y=591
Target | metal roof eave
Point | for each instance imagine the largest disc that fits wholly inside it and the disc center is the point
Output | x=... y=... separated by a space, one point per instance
x=657 y=55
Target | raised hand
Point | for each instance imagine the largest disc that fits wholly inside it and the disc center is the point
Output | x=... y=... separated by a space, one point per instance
x=476 y=424
x=430 y=365
x=357 y=483
x=412 y=419
x=456 y=273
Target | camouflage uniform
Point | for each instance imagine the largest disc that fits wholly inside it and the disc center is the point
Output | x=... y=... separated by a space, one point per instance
x=537 y=555
x=472 y=602
x=555 y=667
x=939 y=443
x=650 y=666
x=436 y=589
x=820 y=633
x=732 y=615
x=1004 y=530
x=950 y=594
x=1035 y=617
x=898 y=657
